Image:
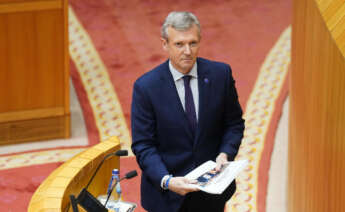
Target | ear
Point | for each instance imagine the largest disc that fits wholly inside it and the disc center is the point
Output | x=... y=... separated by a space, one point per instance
x=164 y=44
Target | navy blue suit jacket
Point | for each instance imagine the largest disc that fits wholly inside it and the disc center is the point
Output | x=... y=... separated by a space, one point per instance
x=162 y=139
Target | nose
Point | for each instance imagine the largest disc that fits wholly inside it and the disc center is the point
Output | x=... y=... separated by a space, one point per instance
x=187 y=49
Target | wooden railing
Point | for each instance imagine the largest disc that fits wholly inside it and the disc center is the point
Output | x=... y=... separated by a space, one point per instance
x=53 y=194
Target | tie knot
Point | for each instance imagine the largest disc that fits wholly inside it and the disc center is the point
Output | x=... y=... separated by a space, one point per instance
x=186 y=78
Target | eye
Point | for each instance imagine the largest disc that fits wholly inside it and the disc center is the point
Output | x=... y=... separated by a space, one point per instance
x=194 y=44
x=178 y=44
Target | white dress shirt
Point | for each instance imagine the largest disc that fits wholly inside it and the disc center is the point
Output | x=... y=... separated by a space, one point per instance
x=193 y=85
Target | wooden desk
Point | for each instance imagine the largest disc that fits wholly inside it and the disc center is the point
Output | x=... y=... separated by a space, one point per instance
x=73 y=175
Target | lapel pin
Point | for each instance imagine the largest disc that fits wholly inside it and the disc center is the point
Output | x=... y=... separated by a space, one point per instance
x=206 y=80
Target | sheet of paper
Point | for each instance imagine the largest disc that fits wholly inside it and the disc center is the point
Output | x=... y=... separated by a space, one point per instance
x=216 y=182
x=121 y=205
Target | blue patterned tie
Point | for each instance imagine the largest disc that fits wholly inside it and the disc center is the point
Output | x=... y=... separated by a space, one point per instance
x=189 y=103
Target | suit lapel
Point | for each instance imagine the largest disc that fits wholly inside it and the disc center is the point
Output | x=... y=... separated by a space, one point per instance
x=204 y=85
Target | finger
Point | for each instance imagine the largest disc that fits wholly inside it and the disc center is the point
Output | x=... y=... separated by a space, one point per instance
x=217 y=169
x=187 y=190
x=192 y=188
x=193 y=181
x=182 y=193
x=190 y=181
x=222 y=160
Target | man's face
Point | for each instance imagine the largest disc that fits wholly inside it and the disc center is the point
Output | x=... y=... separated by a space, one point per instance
x=182 y=47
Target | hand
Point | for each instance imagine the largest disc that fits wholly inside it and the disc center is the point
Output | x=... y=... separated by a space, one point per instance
x=182 y=185
x=221 y=159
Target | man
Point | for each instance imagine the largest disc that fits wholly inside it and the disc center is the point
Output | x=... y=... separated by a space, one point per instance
x=184 y=112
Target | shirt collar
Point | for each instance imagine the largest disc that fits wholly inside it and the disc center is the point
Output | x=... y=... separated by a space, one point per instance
x=178 y=75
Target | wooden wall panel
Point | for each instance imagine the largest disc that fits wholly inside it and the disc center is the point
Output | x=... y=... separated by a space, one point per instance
x=33 y=129
x=32 y=5
x=317 y=112
x=34 y=62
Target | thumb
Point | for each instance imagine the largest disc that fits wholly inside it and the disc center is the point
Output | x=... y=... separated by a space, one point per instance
x=219 y=165
x=191 y=181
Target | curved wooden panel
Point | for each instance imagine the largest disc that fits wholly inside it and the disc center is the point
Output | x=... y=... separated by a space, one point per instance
x=73 y=175
x=317 y=107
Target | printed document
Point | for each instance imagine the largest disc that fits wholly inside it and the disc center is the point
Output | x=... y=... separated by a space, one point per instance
x=214 y=182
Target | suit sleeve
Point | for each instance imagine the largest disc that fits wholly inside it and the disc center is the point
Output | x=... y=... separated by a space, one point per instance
x=233 y=122
x=144 y=143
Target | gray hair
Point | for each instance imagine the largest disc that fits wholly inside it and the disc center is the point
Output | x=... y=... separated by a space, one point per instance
x=180 y=21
